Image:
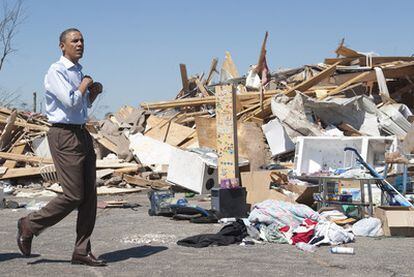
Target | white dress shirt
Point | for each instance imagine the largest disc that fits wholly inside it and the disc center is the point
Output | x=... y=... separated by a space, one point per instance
x=64 y=102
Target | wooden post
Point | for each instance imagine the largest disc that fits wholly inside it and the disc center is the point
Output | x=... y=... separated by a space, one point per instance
x=34 y=102
x=227 y=149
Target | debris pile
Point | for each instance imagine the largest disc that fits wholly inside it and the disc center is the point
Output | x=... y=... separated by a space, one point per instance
x=292 y=128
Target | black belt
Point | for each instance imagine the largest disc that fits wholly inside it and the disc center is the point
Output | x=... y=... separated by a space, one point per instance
x=69 y=126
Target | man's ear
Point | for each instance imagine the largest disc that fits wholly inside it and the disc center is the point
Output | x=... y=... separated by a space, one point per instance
x=62 y=46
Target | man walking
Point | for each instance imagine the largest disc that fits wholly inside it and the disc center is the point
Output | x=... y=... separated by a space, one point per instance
x=69 y=94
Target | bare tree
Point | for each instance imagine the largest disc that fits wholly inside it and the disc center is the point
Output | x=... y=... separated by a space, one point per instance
x=12 y=17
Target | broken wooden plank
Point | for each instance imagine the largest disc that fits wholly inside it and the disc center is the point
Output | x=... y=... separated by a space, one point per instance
x=304 y=86
x=176 y=133
x=20 y=172
x=136 y=180
x=17 y=149
x=210 y=100
x=201 y=87
x=25 y=158
x=211 y=71
x=27 y=125
x=184 y=77
x=358 y=78
x=228 y=69
x=7 y=131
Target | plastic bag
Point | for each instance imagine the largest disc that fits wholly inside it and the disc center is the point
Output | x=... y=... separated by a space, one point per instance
x=368 y=227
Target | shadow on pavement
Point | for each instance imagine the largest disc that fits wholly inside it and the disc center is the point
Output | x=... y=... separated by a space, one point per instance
x=133 y=252
x=10 y=256
x=48 y=261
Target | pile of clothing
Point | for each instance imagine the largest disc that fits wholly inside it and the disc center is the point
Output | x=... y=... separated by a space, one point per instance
x=285 y=222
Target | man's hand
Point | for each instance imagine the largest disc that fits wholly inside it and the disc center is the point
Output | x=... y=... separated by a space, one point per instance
x=86 y=82
x=95 y=88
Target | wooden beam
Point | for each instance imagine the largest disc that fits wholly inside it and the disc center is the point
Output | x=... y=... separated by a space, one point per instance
x=20 y=172
x=184 y=77
x=304 y=86
x=25 y=158
x=358 y=78
x=211 y=71
x=17 y=149
x=210 y=100
x=228 y=69
x=27 y=125
x=7 y=131
x=201 y=87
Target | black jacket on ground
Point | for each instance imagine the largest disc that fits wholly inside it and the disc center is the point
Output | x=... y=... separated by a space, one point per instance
x=229 y=234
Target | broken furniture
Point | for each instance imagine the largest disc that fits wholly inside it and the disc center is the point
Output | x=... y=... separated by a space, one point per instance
x=330 y=192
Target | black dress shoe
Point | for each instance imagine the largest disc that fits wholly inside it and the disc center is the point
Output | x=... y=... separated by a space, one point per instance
x=24 y=237
x=87 y=260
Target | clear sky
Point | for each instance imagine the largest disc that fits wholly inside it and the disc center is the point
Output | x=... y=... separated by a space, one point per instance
x=134 y=47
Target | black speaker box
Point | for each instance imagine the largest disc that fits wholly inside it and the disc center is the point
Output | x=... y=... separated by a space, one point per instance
x=229 y=202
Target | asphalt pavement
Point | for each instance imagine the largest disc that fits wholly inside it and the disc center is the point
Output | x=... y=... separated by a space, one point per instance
x=136 y=244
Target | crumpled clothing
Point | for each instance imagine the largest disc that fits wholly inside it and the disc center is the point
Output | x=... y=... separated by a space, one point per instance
x=281 y=213
x=327 y=232
x=229 y=234
x=274 y=215
x=302 y=233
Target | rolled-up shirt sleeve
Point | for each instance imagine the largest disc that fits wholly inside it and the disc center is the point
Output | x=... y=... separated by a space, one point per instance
x=88 y=100
x=58 y=84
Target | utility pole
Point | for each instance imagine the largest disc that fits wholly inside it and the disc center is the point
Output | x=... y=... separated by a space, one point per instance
x=34 y=102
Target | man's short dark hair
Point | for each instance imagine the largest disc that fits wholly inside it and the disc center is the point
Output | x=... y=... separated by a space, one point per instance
x=62 y=36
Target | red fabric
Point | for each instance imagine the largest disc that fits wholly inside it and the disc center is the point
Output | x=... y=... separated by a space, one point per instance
x=304 y=232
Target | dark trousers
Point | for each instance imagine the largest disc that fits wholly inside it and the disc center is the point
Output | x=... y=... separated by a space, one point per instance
x=75 y=162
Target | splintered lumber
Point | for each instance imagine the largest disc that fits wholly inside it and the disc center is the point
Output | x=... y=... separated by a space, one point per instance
x=250 y=141
x=226 y=120
x=210 y=100
x=136 y=180
x=228 y=69
x=211 y=71
x=304 y=86
x=27 y=125
x=201 y=87
x=399 y=71
x=7 y=131
x=116 y=164
x=17 y=149
x=142 y=182
x=184 y=77
x=347 y=52
x=42 y=160
x=105 y=142
x=171 y=133
x=362 y=60
x=257 y=110
x=129 y=169
x=25 y=158
x=358 y=78
x=20 y=172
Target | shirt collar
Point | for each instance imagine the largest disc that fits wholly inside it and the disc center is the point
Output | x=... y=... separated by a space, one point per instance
x=68 y=64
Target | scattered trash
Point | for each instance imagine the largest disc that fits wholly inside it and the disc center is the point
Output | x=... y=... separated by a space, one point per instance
x=306 y=247
x=342 y=250
x=35 y=206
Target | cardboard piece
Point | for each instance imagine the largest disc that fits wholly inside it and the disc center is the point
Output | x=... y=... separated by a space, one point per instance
x=396 y=220
x=257 y=184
